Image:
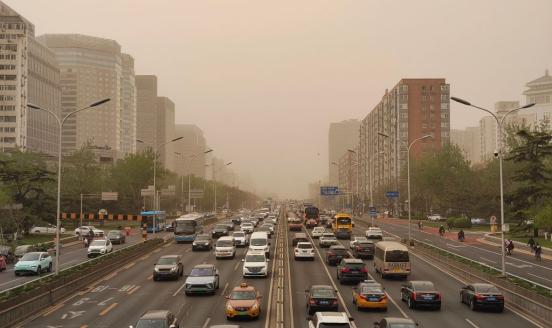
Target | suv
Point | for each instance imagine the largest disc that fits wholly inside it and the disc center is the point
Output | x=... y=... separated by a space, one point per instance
x=116 y=236
x=157 y=319
x=327 y=241
x=219 y=230
x=225 y=247
x=255 y=264
x=99 y=247
x=364 y=249
x=168 y=266
x=335 y=254
x=240 y=238
x=203 y=279
x=353 y=270
x=330 y=319
x=374 y=233
x=247 y=227
x=202 y=242
x=33 y=262
x=304 y=250
x=317 y=232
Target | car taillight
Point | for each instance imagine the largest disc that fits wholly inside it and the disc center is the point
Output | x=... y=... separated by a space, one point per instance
x=383 y=297
x=364 y=270
x=479 y=297
x=500 y=297
x=358 y=248
x=414 y=296
x=345 y=269
x=334 y=302
x=312 y=301
x=438 y=296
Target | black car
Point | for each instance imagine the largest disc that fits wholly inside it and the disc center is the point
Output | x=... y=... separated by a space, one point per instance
x=168 y=267
x=219 y=230
x=237 y=220
x=116 y=236
x=321 y=298
x=482 y=296
x=157 y=319
x=418 y=293
x=335 y=254
x=352 y=270
x=202 y=242
x=364 y=249
x=229 y=224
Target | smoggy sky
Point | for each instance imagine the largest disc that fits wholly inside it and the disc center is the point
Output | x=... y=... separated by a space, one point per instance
x=264 y=79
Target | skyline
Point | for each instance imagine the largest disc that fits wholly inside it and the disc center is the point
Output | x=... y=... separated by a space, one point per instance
x=227 y=60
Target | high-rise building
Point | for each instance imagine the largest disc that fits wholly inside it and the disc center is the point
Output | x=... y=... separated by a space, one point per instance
x=128 y=106
x=28 y=74
x=191 y=158
x=469 y=141
x=342 y=136
x=166 y=132
x=92 y=69
x=412 y=109
x=146 y=113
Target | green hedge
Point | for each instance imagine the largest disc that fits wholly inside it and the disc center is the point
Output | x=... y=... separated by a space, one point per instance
x=459 y=222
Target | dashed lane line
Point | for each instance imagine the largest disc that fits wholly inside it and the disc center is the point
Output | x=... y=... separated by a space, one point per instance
x=179 y=289
x=471 y=323
x=109 y=308
x=53 y=309
x=237 y=265
x=133 y=290
x=224 y=290
x=206 y=323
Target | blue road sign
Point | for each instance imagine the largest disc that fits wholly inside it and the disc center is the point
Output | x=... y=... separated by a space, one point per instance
x=392 y=194
x=329 y=191
x=373 y=211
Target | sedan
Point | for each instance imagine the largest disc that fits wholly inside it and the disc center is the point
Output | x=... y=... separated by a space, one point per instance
x=481 y=295
x=157 y=319
x=369 y=294
x=321 y=298
x=33 y=262
x=335 y=254
x=419 y=293
x=116 y=236
x=356 y=239
x=46 y=229
x=395 y=323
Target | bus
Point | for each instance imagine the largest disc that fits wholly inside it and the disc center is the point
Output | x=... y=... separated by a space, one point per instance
x=155 y=220
x=312 y=212
x=188 y=226
x=392 y=259
x=342 y=226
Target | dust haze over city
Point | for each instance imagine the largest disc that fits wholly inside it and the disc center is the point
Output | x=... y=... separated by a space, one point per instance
x=264 y=80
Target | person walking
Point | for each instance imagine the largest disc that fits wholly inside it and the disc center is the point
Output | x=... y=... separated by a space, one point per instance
x=538 y=252
x=531 y=244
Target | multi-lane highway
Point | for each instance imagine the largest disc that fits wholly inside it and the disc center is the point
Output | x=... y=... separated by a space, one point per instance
x=122 y=296
x=519 y=263
x=69 y=256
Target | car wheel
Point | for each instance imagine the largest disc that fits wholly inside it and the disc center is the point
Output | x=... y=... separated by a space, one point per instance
x=472 y=305
x=410 y=303
x=438 y=308
x=500 y=309
x=154 y=278
x=50 y=267
x=39 y=270
x=16 y=273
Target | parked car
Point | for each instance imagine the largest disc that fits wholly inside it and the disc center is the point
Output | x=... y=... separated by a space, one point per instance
x=203 y=279
x=304 y=250
x=169 y=227
x=33 y=262
x=22 y=250
x=202 y=242
x=116 y=236
x=418 y=293
x=157 y=319
x=364 y=249
x=351 y=270
x=482 y=295
x=45 y=229
x=99 y=247
x=435 y=217
x=369 y=294
x=85 y=230
x=168 y=266
x=336 y=253
x=321 y=298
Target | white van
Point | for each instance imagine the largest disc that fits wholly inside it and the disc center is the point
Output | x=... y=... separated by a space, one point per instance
x=392 y=259
x=255 y=264
x=225 y=247
x=259 y=242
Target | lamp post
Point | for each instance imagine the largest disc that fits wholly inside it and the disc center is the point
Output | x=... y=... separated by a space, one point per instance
x=499 y=123
x=215 y=182
x=337 y=165
x=155 y=198
x=357 y=175
x=191 y=157
x=61 y=122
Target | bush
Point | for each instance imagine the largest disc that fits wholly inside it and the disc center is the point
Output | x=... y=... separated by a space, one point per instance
x=462 y=223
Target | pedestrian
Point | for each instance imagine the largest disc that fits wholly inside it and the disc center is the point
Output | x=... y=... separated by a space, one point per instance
x=531 y=244
x=510 y=246
x=538 y=252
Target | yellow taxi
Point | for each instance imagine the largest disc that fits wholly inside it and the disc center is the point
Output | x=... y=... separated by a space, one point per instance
x=243 y=302
x=369 y=294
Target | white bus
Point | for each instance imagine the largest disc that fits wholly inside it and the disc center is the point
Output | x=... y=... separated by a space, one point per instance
x=392 y=259
x=188 y=226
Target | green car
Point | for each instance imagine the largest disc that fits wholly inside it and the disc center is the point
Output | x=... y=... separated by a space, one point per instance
x=33 y=262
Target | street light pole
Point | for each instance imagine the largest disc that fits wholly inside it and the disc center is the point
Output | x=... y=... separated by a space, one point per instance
x=499 y=123
x=215 y=181
x=61 y=122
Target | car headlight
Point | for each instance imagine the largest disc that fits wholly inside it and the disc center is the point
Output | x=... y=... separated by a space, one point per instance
x=209 y=285
x=156 y=269
x=102 y=250
x=173 y=269
x=255 y=306
x=229 y=307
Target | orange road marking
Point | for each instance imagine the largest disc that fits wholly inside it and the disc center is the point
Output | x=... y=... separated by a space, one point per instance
x=109 y=308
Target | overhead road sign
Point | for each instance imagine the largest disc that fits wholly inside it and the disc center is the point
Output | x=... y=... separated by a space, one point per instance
x=110 y=195
x=329 y=191
x=373 y=211
x=196 y=193
x=392 y=194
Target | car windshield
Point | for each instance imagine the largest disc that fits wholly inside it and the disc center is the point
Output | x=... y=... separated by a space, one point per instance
x=401 y=325
x=487 y=289
x=339 y=251
x=371 y=289
x=166 y=261
x=323 y=293
x=330 y=238
x=258 y=242
x=423 y=286
x=243 y=295
x=201 y=272
x=225 y=243
x=304 y=246
x=202 y=238
x=30 y=257
x=152 y=323
x=238 y=234
x=254 y=258
x=221 y=227
x=396 y=256
x=334 y=325
x=113 y=233
x=98 y=243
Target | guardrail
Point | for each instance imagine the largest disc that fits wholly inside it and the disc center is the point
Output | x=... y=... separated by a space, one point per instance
x=22 y=301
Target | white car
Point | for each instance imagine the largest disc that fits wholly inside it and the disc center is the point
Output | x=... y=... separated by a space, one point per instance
x=374 y=233
x=99 y=247
x=317 y=232
x=435 y=217
x=356 y=240
x=225 y=247
x=330 y=319
x=50 y=228
x=85 y=230
x=240 y=238
x=304 y=250
x=255 y=264
x=247 y=227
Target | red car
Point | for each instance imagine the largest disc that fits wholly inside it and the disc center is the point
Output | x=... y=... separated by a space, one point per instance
x=295 y=225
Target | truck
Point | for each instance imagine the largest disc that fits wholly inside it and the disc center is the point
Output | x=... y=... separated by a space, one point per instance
x=312 y=212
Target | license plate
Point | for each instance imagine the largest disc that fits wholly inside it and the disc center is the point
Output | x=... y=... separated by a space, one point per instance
x=428 y=297
x=324 y=303
x=397 y=270
x=373 y=299
x=491 y=298
x=243 y=313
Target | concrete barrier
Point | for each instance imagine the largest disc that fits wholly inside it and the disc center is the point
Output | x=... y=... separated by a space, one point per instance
x=39 y=294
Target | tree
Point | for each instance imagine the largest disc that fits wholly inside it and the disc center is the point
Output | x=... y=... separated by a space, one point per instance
x=543 y=219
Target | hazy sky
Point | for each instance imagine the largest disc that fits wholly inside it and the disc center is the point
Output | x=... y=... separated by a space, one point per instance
x=264 y=79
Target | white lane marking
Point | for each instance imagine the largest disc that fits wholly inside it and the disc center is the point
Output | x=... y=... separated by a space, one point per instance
x=534 y=275
x=224 y=290
x=488 y=260
x=471 y=323
x=206 y=323
x=521 y=266
x=286 y=251
x=11 y=281
x=179 y=289
x=237 y=265
x=456 y=246
x=271 y=283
